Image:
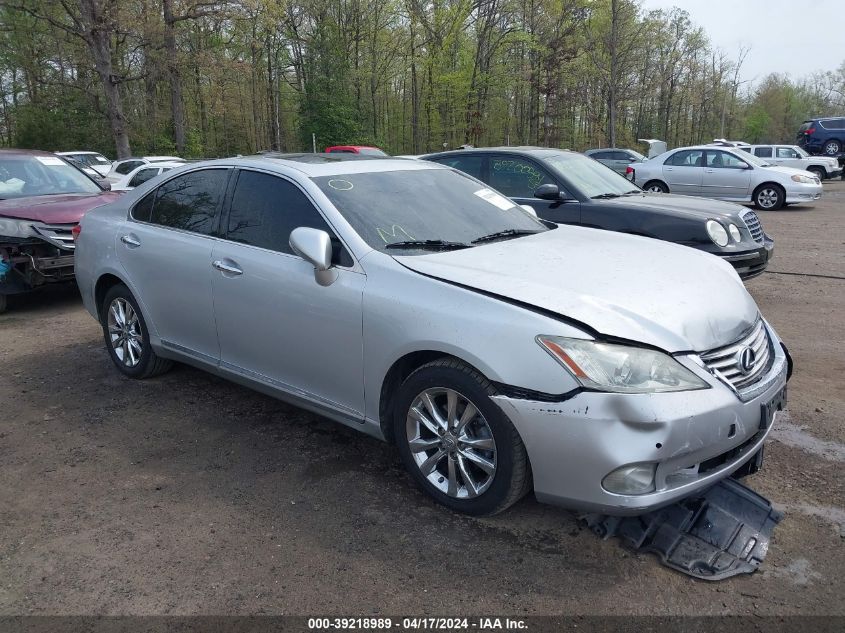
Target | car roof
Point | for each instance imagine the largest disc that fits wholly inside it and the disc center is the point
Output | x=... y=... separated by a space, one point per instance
x=24 y=152
x=323 y=164
x=510 y=149
x=84 y=151
x=352 y=147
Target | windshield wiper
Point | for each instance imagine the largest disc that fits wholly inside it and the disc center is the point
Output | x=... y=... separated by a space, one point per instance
x=606 y=196
x=429 y=245
x=501 y=234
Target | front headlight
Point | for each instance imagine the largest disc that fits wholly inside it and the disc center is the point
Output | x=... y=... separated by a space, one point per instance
x=717 y=233
x=16 y=228
x=806 y=180
x=734 y=231
x=620 y=368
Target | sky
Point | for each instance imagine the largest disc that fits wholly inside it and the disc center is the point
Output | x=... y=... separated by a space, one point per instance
x=786 y=36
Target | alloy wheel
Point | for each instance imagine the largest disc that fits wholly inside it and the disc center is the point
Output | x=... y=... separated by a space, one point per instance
x=768 y=198
x=451 y=443
x=655 y=189
x=125 y=332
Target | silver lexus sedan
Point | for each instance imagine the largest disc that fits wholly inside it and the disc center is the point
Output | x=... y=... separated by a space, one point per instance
x=500 y=353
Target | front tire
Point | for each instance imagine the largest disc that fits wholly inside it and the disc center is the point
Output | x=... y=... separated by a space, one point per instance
x=769 y=197
x=656 y=186
x=820 y=173
x=457 y=444
x=126 y=336
x=832 y=147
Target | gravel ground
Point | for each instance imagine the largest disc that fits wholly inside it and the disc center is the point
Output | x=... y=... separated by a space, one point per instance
x=189 y=495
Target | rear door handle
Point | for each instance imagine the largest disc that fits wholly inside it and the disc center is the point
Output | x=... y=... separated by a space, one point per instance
x=130 y=240
x=223 y=267
x=709 y=171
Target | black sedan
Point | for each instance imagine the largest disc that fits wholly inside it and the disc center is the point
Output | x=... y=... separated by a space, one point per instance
x=569 y=188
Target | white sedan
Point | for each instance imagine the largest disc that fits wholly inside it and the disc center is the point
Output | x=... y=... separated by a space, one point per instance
x=142 y=174
x=727 y=174
x=122 y=167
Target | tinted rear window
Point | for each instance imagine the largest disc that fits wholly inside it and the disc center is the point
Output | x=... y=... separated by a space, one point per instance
x=190 y=202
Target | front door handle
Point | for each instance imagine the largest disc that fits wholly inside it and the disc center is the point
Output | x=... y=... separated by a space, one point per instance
x=230 y=269
x=130 y=240
x=709 y=171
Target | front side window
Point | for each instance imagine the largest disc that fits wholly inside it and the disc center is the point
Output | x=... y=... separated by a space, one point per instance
x=422 y=204
x=471 y=165
x=724 y=160
x=787 y=152
x=190 y=202
x=266 y=208
x=22 y=176
x=687 y=158
x=516 y=177
x=763 y=152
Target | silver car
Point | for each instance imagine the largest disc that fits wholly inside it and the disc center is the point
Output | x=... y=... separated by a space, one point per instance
x=619 y=160
x=500 y=353
x=727 y=173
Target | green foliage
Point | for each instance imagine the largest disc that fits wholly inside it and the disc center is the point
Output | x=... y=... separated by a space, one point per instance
x=405 y=75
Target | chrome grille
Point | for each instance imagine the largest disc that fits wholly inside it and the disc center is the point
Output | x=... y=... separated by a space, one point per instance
x=57 y=234
x=725 y=361
x=753 y=223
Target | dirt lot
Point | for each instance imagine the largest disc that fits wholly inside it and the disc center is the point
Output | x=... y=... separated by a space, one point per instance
x=186 y=494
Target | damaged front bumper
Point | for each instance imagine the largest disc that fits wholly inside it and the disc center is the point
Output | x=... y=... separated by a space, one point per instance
x=688 y=440
x=31 y=262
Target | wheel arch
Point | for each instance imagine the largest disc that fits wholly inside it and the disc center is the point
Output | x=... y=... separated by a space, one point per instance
x=396 y=375
x=105 y=282
x=659 y=181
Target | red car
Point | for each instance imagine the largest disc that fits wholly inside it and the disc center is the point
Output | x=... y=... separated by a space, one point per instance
x=355 y=149
x=42 y=198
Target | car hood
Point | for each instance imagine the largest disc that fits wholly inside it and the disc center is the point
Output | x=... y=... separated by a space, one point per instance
x=57 y=209
x=661 y=294
x=789 y=171
x=691 y=207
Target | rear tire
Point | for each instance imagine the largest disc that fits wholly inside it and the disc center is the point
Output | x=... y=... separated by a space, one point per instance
x=126 y=336
x=832 y=147
x=462 y=450
x=769 y=197
x=656 y=186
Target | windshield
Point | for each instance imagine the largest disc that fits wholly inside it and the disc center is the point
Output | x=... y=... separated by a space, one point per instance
x=418 y=205
x=636 y=154
x=800 y=151
x=91 y=159
x=371 y=151
x=590 y=177
x=22 y=176
x=755 y=160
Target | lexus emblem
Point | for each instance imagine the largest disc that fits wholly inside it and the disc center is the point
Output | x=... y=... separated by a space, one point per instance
x=746 y=358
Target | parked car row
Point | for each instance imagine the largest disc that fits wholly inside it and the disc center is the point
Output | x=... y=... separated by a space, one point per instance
x=501 y=352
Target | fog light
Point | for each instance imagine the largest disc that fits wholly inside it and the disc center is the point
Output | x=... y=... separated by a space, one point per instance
x=634 y=479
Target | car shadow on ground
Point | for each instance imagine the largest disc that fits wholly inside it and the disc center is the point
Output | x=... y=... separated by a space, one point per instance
x=51 y=298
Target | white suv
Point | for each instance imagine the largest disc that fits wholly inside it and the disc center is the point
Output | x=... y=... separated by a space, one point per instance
x=794 y=156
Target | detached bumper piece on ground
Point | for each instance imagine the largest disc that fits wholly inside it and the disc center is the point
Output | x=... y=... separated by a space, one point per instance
x=719 y=533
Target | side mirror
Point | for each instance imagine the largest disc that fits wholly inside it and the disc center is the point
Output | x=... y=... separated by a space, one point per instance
x=529 y=209
x=315 y=247
x=105 y=185
x=548 y=191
